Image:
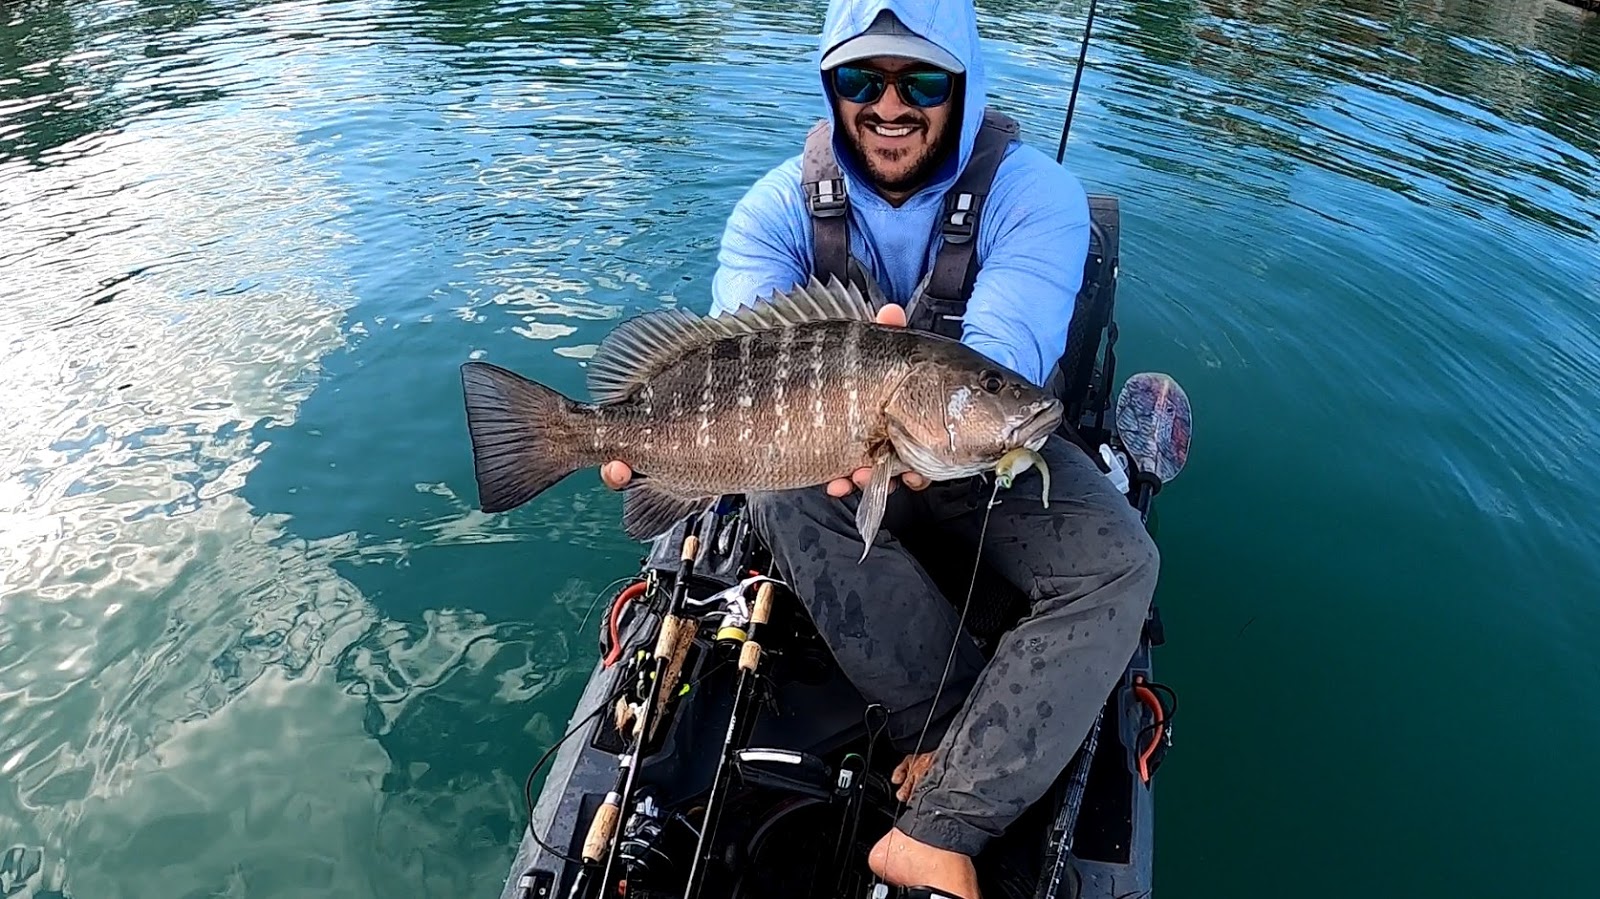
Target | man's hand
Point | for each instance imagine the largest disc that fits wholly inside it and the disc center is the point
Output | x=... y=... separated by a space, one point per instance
x=617 y=474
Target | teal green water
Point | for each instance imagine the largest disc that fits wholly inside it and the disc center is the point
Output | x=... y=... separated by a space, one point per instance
x=254 y=640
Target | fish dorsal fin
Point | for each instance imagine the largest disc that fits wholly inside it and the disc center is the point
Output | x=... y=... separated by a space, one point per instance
x=636 y=349
x=642 y=346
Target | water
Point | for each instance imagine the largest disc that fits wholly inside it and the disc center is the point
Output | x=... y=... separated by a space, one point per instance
x=254 y=640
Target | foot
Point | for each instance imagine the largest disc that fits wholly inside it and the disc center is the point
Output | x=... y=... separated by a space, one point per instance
x=905 y=862
x=908 y=772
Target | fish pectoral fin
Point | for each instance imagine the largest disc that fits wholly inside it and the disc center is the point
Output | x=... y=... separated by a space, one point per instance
x=869 y=513
x=649 y=509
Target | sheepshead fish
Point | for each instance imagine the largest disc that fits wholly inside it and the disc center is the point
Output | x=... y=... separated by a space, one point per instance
x=794 y=391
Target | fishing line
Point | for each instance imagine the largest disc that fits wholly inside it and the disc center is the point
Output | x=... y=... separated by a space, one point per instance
x=949 y=659
x=596 y=601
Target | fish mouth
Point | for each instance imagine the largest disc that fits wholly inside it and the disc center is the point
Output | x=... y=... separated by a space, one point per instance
x=1032 y=431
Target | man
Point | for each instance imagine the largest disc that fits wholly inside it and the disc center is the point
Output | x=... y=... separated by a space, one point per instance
x=905 y=88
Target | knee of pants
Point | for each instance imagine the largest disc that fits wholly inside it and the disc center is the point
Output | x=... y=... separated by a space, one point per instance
x=1115 y=551
x=1144 y=557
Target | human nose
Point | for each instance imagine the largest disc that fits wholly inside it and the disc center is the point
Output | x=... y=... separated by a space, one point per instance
x=891 y=104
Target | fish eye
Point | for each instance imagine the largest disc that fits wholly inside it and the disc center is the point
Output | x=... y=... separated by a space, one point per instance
x=990 y=382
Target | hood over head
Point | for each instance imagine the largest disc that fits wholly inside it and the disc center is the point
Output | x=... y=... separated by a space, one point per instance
x=950 y=26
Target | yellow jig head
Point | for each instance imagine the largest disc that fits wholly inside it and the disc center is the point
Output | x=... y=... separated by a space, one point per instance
x=1018 y=461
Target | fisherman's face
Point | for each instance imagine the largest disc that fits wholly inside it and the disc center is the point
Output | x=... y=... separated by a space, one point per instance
x=899 y=143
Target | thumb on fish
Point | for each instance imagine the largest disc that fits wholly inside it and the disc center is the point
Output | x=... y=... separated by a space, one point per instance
x=616 y=474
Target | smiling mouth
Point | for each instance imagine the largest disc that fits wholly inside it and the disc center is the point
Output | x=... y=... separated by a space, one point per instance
x=891 y=130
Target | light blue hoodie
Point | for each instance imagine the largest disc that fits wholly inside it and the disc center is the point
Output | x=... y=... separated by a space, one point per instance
x=1032 y=239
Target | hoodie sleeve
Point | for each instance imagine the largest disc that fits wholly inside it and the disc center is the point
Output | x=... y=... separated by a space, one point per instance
x=1034 y=237
x=766 y=242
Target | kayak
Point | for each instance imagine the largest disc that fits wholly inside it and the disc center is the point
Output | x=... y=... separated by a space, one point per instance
x=717 y=750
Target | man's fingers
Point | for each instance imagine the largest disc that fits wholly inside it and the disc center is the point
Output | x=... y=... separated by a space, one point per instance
x=839 y=488
x=909 y=773
x=863 y=476
x=914 y=481
x=616 y=474
x=893 y=315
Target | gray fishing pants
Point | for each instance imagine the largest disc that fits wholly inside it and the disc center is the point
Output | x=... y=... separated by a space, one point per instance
x=1089 y=569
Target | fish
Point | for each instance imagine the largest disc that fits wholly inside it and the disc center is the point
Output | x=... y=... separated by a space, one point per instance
x=793 y=390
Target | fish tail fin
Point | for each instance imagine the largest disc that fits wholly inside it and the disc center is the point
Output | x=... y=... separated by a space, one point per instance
x=522 y=435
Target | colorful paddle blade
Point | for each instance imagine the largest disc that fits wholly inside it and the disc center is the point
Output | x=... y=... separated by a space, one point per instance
x=1154 y=423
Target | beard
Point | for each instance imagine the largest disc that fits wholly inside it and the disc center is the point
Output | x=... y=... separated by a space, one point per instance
x=902 y=170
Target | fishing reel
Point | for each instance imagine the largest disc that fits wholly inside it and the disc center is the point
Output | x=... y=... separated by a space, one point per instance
x=644 y=849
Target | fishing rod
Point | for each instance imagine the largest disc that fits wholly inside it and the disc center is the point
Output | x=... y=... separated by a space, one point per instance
x=749 y=661
x=1077 y=76
x=672 y=643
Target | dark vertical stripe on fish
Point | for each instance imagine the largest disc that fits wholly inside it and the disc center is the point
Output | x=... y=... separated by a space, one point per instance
x=708 y=401
x=781 y=382
x=647 y=398
x=818 y=419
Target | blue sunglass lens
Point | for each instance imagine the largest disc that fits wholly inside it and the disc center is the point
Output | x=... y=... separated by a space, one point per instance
x=857 y=85
x=925 y=88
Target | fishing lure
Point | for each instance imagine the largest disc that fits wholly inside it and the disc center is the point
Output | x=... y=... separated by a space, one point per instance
x=1018 y=461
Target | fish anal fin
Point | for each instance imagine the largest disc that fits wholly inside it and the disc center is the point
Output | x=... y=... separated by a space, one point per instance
x=649 y=509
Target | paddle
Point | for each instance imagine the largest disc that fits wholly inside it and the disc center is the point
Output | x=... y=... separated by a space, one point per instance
x=1154 y=424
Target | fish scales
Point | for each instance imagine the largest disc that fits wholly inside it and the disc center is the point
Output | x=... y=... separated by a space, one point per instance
x=738 y=381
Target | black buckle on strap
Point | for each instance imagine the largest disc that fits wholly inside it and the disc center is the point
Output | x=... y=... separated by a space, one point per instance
x=937 y=314
x=827 y=198
x=960 y=217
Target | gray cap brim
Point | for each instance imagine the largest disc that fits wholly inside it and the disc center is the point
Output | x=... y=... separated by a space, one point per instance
x=866 y=46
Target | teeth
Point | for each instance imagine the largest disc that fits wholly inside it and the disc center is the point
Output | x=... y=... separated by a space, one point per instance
x=897 y=131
